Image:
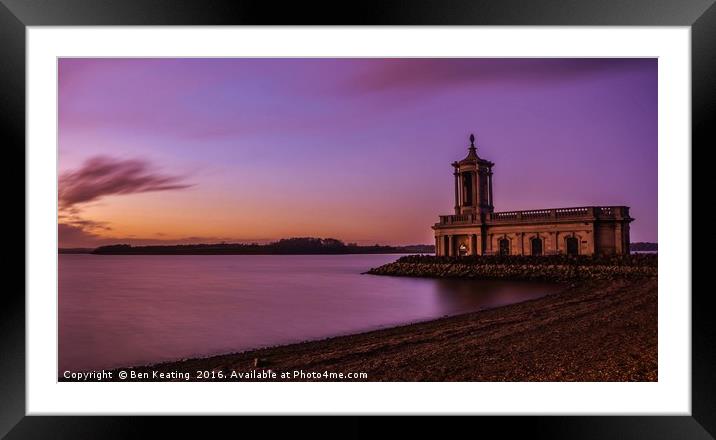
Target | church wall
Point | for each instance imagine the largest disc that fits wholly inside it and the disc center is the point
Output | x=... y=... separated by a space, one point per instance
x=553 y=237
x=605 y=238
x=612 y=237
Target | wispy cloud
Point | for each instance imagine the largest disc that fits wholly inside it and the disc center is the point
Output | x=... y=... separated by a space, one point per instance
x=82 y=236
x=84 y=224
x=98 y=177
x=431 y=72
x=103 y=176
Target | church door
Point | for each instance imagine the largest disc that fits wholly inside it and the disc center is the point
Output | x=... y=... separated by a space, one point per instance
x=572 y=246
x=504 y=247
x=536 y=246
x=463 y=249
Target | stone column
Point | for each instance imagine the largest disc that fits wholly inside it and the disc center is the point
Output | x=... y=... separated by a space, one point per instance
x=457 y=194
x=553 y=237
x=618 y=238
x=479 y=189
x=489 y=178
x=475 y=199
x=451 y=246
x=437 y=246
x=473 y=245
x=558 y=241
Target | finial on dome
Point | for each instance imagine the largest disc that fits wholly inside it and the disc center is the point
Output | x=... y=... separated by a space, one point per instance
x=472 y=140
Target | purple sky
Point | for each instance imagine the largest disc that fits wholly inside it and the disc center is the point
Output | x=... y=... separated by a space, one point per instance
x=187 y=150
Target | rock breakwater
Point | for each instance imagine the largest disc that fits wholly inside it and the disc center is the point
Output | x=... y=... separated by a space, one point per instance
x=549 y=268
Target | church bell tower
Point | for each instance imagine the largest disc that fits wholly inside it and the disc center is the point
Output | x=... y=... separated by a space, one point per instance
x=473 y=183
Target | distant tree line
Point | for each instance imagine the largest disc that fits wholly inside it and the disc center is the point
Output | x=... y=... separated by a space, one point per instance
x=75 y=250
x=285 y=246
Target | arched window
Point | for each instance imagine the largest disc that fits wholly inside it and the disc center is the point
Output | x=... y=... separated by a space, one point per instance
x=504 y=246
x=572 y=246
x=536 y=246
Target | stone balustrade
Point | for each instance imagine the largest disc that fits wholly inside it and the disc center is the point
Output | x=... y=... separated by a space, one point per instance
x=582 y=212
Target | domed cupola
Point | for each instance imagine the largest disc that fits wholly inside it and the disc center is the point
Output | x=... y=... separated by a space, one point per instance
x=473 y=183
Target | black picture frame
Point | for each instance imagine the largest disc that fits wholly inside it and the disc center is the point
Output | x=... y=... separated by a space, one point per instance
x=16 y=15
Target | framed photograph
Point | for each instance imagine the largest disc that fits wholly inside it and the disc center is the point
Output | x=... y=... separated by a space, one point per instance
x=241 y=209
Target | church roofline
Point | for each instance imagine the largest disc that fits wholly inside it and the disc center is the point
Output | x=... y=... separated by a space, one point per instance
x=469 y=162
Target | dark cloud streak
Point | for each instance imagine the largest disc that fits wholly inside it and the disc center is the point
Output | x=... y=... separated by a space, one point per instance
x=75 y=235
x=436 y=72
x=104 y=176
x=98 y=177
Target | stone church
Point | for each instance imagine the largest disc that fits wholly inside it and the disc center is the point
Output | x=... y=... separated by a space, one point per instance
x=476 y=229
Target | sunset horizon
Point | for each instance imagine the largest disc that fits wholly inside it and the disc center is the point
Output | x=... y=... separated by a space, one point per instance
x=367 y=219
x=185 y=151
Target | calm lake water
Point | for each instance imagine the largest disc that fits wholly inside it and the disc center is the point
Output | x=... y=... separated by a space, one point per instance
x=132 y=310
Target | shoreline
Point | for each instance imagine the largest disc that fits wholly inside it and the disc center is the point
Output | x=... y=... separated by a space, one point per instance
x=595 y=330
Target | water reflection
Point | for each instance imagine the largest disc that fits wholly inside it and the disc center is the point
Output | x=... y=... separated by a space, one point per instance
x=456 y=295
x=129 y=310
